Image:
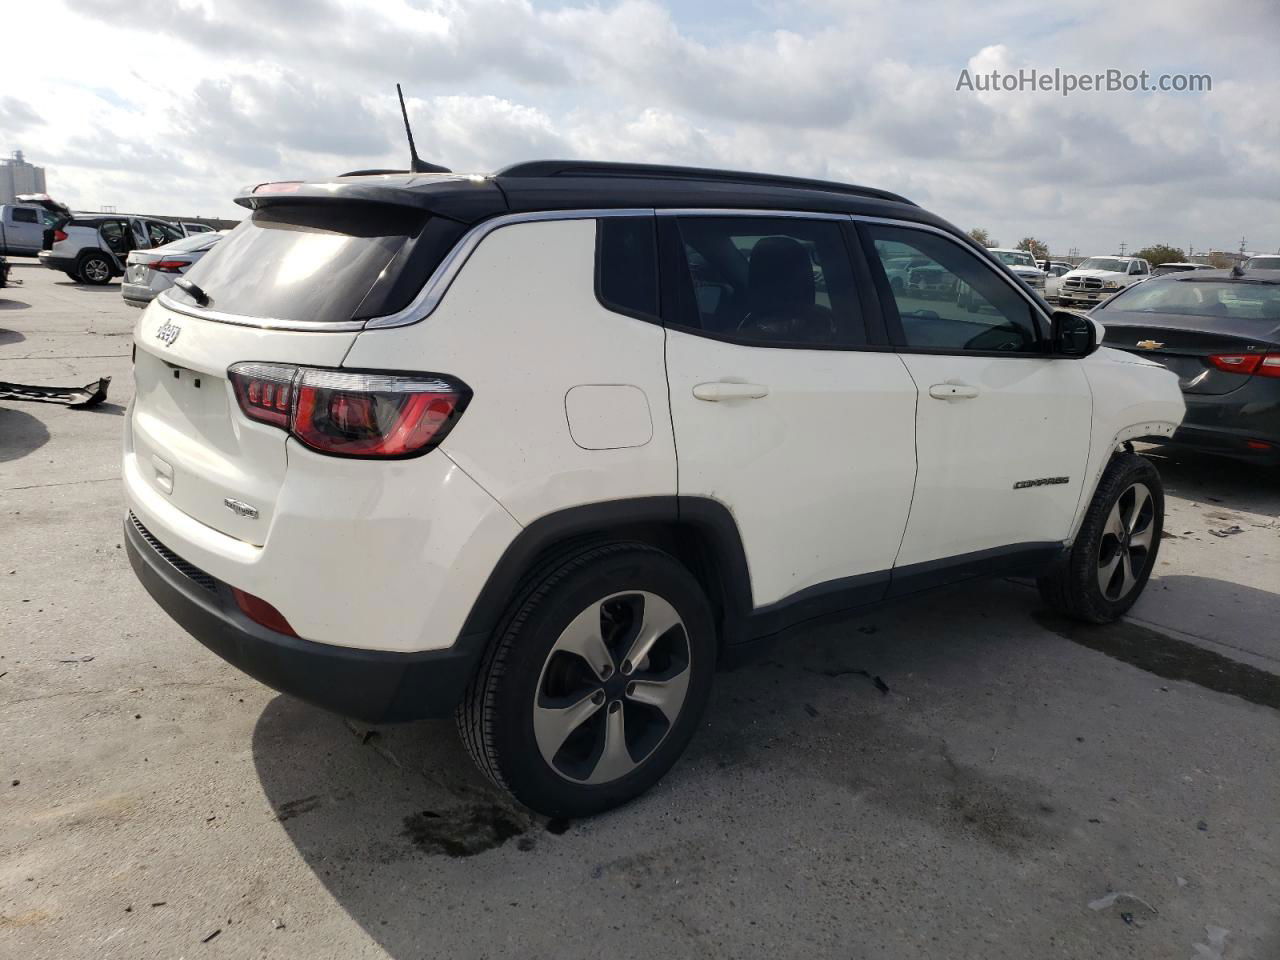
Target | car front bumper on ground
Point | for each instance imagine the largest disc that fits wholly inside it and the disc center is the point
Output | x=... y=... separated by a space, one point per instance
x=369 y=685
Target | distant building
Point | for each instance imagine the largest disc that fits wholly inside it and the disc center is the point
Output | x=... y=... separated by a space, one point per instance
x=17 y=176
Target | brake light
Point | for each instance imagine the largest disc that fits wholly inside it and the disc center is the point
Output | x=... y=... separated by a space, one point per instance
x=261 y=612
x=351 y=414
x=265 y=391
x=1264 y=365
x=59 y=236
x=169 y=266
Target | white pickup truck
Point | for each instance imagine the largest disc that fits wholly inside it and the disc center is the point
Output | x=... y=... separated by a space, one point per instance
x=1099 y=278
x=23 y=224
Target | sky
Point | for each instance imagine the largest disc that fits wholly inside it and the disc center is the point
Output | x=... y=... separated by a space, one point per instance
x=170 y=106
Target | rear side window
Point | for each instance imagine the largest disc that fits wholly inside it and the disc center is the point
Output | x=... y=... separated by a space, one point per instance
x=770 y=281
x=310 y=262
x=627 y=266
x=24 y=215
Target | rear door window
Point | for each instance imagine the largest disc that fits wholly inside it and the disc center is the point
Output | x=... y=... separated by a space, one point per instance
x=771 y=281
x=24 y=215
x=312 y=262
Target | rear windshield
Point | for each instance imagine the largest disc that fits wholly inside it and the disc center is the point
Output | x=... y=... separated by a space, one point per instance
x=1202 y=298
x=313 y=262
x=188 y=244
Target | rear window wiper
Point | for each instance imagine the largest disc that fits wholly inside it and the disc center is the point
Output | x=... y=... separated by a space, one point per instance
x=193 y=290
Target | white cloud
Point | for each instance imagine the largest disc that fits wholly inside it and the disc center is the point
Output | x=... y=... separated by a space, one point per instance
x=223 y=92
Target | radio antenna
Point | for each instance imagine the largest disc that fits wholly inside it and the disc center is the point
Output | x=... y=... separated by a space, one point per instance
x=416 y=163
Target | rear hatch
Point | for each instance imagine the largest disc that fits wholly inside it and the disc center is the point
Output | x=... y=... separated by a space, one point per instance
x=289 y=285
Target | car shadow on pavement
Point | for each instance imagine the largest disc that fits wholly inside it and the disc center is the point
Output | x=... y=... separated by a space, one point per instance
x=20 y=434
x=418 y=848
x=9 y=336
x=7 y=304
x=111 y=287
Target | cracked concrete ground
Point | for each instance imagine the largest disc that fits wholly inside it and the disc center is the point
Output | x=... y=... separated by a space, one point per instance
x=159 y=804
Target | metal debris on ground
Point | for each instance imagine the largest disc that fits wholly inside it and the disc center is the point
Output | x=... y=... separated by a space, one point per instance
x=1217 y=937
x=84 y=659
x=1102 y=903
x=90 y=395
x=212 y=935
x=1227 y=531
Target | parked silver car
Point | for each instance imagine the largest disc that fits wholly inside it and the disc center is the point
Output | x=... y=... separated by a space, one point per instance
x=148 y=272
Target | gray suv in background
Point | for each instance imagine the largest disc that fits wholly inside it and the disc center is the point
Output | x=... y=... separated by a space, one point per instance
x=94 y=247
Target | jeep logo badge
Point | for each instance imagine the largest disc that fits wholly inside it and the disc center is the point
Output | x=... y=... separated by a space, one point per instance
x=168 y=333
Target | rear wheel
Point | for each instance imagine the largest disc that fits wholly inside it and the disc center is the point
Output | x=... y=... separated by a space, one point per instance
x=592 y=689
x=95 y=269
x=1115 y=551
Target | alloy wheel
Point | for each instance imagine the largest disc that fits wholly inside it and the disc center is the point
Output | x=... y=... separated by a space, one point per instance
x=612 y=687
x=1126 y=542
x=96 y=271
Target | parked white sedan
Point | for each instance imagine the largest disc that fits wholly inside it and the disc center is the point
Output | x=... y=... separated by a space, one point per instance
x=148 y=272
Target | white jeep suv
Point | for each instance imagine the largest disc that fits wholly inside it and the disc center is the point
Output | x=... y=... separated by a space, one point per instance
x=540 y=448
x=1100 y=278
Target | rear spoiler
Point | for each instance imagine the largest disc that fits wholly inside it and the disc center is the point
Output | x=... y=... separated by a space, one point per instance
x=466 y=199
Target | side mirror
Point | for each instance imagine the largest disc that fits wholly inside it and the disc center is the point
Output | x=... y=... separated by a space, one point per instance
x=1074 y=334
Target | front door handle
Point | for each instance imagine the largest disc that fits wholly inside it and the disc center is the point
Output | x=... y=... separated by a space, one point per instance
x=952 y=391
x=718 y=390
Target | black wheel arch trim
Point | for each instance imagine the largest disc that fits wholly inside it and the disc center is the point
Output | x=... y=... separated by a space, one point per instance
x=715 y=533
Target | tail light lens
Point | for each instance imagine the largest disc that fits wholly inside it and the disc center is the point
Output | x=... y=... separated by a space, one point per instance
x=351 y=414
x=1263 y=365
x=265 y=391
x=59 y=236
x=169 y=266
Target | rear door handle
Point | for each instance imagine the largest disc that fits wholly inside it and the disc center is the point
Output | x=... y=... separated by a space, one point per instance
x=952 y=391
x=718 y=390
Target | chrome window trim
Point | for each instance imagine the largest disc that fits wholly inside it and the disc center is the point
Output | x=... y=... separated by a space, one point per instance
x=260 y=323
x=1008 y=277
x=744 y=212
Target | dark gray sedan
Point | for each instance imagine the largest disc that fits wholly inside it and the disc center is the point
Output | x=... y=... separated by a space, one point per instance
x=1220 y=333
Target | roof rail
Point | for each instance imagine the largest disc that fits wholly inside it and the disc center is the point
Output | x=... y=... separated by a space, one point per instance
x=657 y=171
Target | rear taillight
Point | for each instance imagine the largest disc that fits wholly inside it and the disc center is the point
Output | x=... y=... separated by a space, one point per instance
x=59 y=236
x=351 y=414
x=169 y=266
x=1263 y=365
x=265 y=391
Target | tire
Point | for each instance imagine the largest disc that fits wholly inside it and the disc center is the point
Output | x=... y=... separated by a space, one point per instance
x=95 y=269
x=1107 y=568
x=538 y=720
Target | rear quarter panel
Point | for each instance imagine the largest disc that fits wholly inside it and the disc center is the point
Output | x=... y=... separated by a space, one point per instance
x=521 y=325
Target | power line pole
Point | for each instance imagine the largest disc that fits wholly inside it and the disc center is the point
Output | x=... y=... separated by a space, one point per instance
x=1123 y=246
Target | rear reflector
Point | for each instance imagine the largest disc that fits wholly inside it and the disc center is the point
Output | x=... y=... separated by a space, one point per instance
x=1257 y=445
x=169 y=266
x=59 y=236
x=351 y=414
x=262 y=613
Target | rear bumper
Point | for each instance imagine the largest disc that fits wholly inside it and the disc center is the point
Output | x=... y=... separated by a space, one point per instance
x=368 y=685
x=61 y=264
x=137 y=294
x=1236 y=424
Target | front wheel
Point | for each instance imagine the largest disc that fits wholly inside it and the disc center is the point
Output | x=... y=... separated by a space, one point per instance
x=592 y=689
x=1114 y=553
